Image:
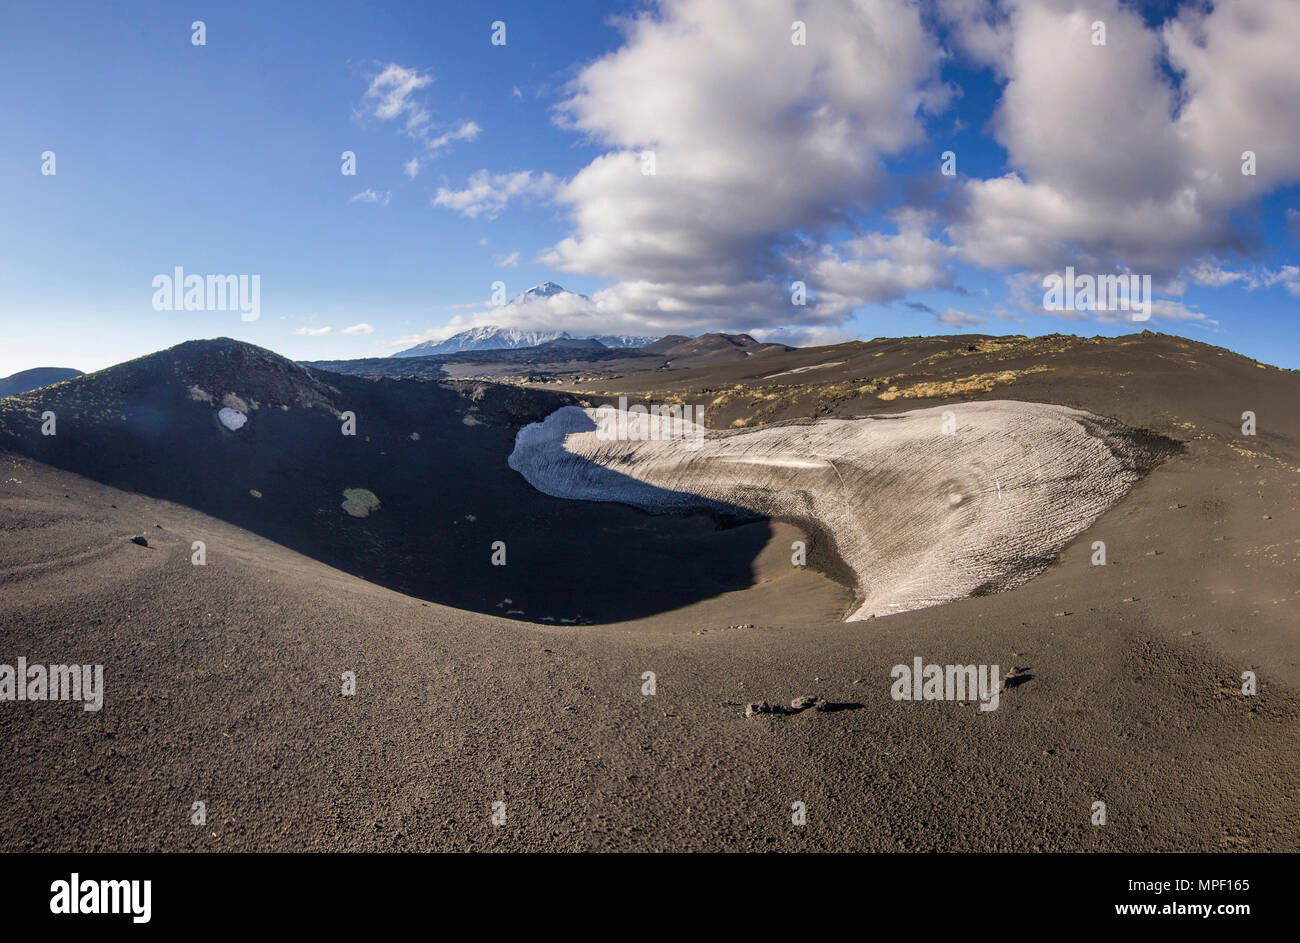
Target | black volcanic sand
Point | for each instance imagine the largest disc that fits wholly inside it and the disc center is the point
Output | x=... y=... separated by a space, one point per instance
x=223 y=680
x=446 y=492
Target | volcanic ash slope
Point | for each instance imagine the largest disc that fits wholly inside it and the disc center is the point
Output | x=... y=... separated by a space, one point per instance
x=920 y=515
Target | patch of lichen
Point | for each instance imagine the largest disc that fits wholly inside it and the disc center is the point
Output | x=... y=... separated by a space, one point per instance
x=975 y=383
x=359 y=502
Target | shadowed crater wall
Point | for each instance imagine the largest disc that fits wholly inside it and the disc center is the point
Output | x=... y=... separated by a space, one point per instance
x=433 y=454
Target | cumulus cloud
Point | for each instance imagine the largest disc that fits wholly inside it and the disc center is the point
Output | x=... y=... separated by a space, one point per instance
x=1114 y=163
x=362 y=328
x=487 y=193
x=954 y=318
x=876 y=267
x=313 y=331
x=508 y=261
x=767 y=157
x=787 y=144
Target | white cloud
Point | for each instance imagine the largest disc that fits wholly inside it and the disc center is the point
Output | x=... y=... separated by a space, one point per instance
x=432 y=334
x=359 y=329
x=1123 y=157
x=488 y=193
x=313 y=331
x=393 y=95
x=979 y=29
x=508 y=261
x=787 y=140
x=599 y=314
x=1210 y=273
x=954 y=318
x=1288 y=276
x=803 y=336
x=875 y=267
x=434 y=144
x=1112 y=164
x=373 y=196
x=1166 y=309
x=466 y=131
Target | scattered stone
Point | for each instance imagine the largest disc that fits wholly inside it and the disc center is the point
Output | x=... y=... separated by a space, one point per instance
x=805 y=702
x=760 y=707
x=140 y=540
x=1016 y=677
x=1063 y=612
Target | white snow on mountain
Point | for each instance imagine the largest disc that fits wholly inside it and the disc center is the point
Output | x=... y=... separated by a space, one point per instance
x=492 y=337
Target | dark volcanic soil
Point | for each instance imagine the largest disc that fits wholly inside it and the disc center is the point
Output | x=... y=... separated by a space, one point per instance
x=433 y=453
x=223 y=681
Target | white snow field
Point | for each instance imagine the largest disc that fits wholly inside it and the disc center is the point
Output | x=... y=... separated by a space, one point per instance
x=232 y=419
x=919 y=516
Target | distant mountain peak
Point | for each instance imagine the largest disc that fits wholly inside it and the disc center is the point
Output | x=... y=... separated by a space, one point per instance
x=546 y=290
x=492 y=337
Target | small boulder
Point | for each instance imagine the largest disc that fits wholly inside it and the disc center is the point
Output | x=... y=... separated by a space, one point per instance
x=140 y=540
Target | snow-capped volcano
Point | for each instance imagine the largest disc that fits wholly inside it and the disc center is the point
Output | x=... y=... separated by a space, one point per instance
x=545 y=290
x=491 y=337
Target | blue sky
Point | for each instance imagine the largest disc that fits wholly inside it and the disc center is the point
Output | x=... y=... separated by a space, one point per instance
x=225 y=159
